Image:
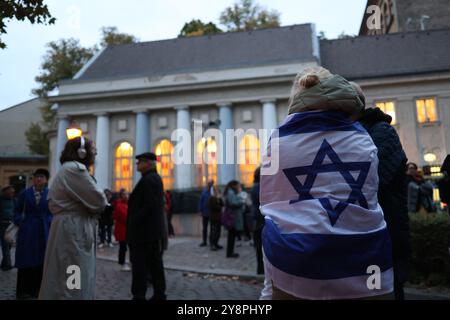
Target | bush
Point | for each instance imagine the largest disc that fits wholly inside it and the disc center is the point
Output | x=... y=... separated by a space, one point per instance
x=430 y=242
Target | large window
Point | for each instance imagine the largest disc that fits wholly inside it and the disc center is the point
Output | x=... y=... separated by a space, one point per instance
x=123 y=167
x=388 y=107
x=248 y=158
x=206 y=161
x=426 y=110
x=165 y=165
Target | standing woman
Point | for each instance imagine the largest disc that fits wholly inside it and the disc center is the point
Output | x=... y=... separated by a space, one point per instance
x=33 y=219
x=76 y=203
x=235 y=205
x=120 y=226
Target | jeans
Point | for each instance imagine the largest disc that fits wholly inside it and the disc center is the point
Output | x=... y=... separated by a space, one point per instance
x=6 y=248
x=214 y=234
x=205 y=221
x=122 y=252
x=105 y=230
x=230 y=241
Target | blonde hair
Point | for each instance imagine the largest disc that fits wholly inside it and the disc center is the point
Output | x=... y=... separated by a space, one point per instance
x=308 y=78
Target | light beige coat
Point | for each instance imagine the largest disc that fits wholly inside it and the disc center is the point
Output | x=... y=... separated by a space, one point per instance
x=75 y=201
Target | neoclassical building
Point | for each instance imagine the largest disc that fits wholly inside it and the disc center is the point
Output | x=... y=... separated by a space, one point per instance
x=130 y=98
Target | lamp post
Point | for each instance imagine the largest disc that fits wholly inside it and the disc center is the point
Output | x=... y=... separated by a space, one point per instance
x=73 y=131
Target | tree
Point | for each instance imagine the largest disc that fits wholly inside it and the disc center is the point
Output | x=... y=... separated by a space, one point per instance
x=343 y=35
x=322 y=35
x=247 y=15
x=33 y=10
x=198 y=28
x=111 y=36
x=37 y=140
x=63 y=59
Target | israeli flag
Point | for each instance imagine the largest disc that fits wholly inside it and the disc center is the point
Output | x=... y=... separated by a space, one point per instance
x=325 y=236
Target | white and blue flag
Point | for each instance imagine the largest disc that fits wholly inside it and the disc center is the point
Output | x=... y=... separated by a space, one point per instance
x=325 y=231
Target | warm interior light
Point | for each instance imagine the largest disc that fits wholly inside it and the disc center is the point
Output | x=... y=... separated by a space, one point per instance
x=73 y=132
x=429 y=157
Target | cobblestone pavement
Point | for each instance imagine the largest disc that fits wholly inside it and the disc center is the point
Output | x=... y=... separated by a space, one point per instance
x=192 y=273
x=113 y=284
x=184 y=253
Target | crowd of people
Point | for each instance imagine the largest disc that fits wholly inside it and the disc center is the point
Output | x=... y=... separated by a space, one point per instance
x=314 y=238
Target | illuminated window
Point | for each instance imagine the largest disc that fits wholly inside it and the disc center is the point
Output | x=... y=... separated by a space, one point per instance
x=165 y=165
x=388 y=108
x=123 y=167
x=426 y=110
x=249 y=158
x=207 y=161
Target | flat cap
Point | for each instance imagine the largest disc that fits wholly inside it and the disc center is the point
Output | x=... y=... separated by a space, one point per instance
x=147 y=155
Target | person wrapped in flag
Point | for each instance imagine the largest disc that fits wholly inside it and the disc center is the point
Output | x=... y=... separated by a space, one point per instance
x=325 y=236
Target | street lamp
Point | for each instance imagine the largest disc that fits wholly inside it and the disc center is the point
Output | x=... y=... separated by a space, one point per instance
x=73 y=131
x=429 y=157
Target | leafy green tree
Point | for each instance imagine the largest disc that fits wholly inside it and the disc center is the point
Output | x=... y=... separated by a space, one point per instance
x=343 y=35
x=63 y=59
x=111 y=36
x=247 y=15
x=322 y=36
x=37 y=140
x=197 y=28
x=33 y=10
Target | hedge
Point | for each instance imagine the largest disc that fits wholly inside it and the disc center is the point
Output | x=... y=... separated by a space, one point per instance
x=430 y=242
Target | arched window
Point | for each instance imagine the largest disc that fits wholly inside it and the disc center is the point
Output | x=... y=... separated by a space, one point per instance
x=207 y=161
x=249 y=158
x=123 y=167
x=165 y=165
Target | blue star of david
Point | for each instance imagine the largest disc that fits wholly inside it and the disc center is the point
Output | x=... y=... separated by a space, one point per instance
x=336 y=165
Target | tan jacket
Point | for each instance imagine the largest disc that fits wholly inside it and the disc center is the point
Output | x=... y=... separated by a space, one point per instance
x=76 y=202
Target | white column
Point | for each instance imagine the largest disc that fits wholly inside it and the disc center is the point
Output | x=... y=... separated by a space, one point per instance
x=183 y=171
x=104 y=155
x=142 y=139
x=63 y=124
x=269 y=119
x=227 y=172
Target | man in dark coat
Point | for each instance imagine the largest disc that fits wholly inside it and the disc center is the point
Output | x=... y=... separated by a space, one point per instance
x=392 y=191
x=146 y=230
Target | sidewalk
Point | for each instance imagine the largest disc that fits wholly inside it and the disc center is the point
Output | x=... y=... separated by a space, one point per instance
x=184 y=254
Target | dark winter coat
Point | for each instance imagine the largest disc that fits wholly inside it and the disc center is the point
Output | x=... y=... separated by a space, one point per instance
x=392 y=192
x=34 y=221
x=146 y=218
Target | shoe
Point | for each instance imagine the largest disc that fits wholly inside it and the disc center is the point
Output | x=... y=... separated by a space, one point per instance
x=6 y=268
x=110 y=245
x=219 y=247
x=213 y=248
x=101 y=245
x=125 y=267
x=239 y=244
x=233 y=255
x=203 y=244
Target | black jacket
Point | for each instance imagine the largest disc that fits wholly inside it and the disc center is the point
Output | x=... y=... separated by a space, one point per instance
x=392 y=190
x=145 y=220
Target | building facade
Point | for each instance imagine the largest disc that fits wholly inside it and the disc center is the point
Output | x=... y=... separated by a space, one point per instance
x=17 y=163
x=131 y=98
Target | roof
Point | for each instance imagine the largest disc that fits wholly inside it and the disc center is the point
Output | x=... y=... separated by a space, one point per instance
x=388 y=55
x=214 y=52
